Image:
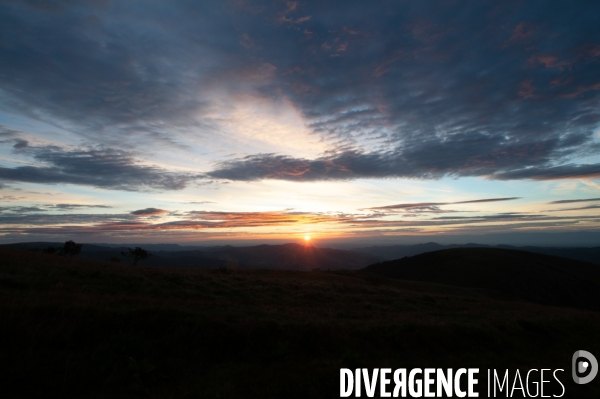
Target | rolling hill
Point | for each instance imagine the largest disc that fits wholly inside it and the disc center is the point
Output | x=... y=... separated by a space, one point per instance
x=504 y=273
x=390 y=252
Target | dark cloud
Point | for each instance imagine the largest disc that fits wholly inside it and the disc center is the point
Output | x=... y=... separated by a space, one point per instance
x=97 y=63
x=581 y=208
x=574 y=200
x=7 y=133
x=345 y=166
x=351 y=165
x=45 y=219
x=99 y=167
x=45 y=208
x=20 y=144
x=569 y=171
x=21 y=209
x=426 y=209
x=502 y=91
x=404 y=89
x=148 y=212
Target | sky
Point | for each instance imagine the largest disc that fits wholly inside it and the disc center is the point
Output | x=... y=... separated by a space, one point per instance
x=242 y=121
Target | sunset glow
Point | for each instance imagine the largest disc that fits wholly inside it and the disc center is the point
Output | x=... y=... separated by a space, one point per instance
x=228 y=122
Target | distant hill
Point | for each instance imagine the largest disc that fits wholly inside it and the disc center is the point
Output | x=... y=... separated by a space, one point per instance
x=153 y=247
x=507 y=273
x=585 y=254
x=283 y=257
x=45 y=244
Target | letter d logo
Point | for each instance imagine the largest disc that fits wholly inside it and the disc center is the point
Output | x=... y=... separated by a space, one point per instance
x=590 y=363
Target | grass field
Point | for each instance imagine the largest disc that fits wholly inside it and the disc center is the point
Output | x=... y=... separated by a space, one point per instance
x=76 y=328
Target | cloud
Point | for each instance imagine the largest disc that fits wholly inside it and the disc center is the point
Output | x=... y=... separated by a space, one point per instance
x=21 y=209
x=284 y=16
x=574 y=200
x=441 y=108
x=426 y=209
x=487 y=200
x=246 y=41
x=75 y=206
x=20 y=144
x=45 y=208
x=6 y=132
x=199 y=222
x=255 y=219
x=424 y=161
x=52 y=220
x=569 y=171
x=435 y=204
x=8 y=135
x=503 y=92
x=89 y=69
x=129 y=223
x=575 y=209
x=99 y=167
x=149 y=212
x=485 y=220
x=349 y=165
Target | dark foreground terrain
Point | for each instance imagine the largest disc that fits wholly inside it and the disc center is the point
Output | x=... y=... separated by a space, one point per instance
x=79 y=328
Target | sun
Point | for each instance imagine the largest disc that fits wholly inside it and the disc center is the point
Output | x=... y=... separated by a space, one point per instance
x=307 y=238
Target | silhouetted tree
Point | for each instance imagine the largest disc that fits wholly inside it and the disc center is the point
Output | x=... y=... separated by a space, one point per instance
x=136 y=254
x=71 y=248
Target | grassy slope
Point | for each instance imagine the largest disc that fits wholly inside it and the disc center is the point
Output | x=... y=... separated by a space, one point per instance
x=75 y=328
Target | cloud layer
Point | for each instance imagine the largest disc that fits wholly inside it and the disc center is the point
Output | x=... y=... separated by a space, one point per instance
x=99 y=167
x=203 y=222
x=398 y=90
